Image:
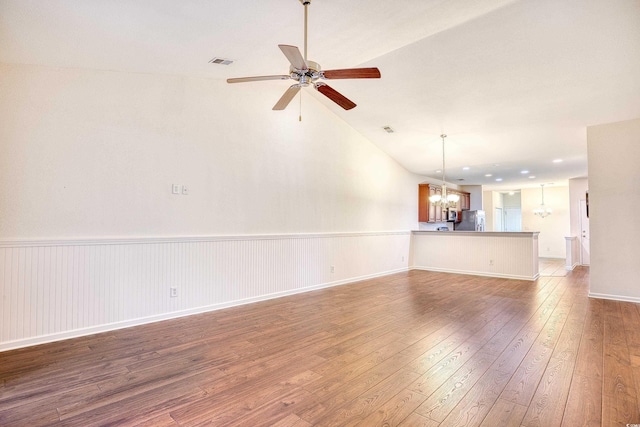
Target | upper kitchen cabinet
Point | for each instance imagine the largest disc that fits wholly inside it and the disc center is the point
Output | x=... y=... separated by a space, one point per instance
x=428 y=212
x=465 y=201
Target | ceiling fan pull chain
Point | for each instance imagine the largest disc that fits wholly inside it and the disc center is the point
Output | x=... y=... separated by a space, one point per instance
x=300 y=116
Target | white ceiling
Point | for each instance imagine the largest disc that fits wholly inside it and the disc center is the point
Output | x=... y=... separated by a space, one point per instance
x=514 y=84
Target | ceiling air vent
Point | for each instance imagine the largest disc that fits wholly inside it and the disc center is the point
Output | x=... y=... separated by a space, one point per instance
x=221 y=61
x=388 y=129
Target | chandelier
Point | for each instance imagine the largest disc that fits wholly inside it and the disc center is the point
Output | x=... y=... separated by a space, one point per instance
x=444 y=200
x=542 y=211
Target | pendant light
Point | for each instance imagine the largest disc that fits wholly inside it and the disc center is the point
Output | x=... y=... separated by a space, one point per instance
x=444 y=200
x=542 y=211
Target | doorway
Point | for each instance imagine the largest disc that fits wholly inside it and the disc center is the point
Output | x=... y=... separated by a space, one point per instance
x=497 y=220
x=512 y=219
x=584 y=234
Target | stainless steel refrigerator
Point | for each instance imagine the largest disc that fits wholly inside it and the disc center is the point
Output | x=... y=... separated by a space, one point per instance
x=471 y=221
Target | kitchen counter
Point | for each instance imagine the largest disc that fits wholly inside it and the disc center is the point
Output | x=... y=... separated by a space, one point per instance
x=484 y=233
x=484 y=253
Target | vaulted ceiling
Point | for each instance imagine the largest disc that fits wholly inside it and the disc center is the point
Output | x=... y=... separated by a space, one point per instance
x=513 y=84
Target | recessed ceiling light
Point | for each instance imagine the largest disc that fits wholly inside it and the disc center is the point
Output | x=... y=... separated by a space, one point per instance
x=498 y=179
x=438 y=170
x=557 y=161
x=511 y=193
x=524 y=172
x=466 y=168
x=488 y=175
x=531 y=176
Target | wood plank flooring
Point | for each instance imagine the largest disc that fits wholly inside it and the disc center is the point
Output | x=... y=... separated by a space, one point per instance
x=411 y=349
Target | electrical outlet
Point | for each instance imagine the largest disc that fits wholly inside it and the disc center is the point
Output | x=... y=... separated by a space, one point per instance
x=333 y=269
x=175 y=189
x=173 y=292
x=490 y=262
x=402 y=258
x=185 y=190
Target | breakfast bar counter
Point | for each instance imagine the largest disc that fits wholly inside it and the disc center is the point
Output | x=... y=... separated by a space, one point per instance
x=484 y=253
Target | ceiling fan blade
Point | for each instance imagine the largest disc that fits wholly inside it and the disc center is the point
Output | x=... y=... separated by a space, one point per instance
x=287 y=97
x=335 y=96
x=294 y=56
x=258 y=78
x=352 y=73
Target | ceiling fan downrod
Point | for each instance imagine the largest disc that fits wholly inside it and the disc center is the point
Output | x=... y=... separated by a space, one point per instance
x=306 y=4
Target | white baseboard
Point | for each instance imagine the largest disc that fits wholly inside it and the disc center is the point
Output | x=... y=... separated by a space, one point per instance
x=478 y=273
x=622 y=298
x=571 y=267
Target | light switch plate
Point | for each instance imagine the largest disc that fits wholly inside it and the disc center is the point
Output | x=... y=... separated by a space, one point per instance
x=175 y=189
x=185 y=190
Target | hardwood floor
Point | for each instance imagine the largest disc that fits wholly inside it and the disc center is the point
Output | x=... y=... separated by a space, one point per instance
x=552 y=267
x=411 y=349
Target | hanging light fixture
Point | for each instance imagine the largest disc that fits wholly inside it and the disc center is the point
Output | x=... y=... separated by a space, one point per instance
x=542 y=211
x=444 y=200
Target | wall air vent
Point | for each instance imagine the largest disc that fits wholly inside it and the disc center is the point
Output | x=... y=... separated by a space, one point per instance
x=221 y=61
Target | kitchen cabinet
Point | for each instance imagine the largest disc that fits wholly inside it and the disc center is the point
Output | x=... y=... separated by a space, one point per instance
x=427 y=212
x=465 y=202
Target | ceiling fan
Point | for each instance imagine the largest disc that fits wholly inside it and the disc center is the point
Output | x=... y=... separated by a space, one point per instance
x=306 y=73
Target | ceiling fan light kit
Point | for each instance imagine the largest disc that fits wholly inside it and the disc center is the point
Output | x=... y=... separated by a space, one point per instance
x=307 y=73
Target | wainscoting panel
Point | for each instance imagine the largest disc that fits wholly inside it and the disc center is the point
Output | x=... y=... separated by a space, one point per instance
x=54 y=290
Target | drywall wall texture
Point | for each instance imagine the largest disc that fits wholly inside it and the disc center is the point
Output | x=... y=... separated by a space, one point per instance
x=614 y=180
x=87 y=153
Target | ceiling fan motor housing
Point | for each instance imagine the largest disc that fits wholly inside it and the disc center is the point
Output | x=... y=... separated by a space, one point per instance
x=309 y=75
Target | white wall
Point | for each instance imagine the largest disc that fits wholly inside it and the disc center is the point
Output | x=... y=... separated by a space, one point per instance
x=554 y=228
x=490 y=201
x=88 y=153
x=476 y=196
x=88 y=156
x=614 y=184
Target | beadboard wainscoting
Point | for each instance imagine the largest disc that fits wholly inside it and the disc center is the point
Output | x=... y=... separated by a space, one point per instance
x=495 y=254
x=54 y=290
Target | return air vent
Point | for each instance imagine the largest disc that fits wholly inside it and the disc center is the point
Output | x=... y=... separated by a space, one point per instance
x=221 y=61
